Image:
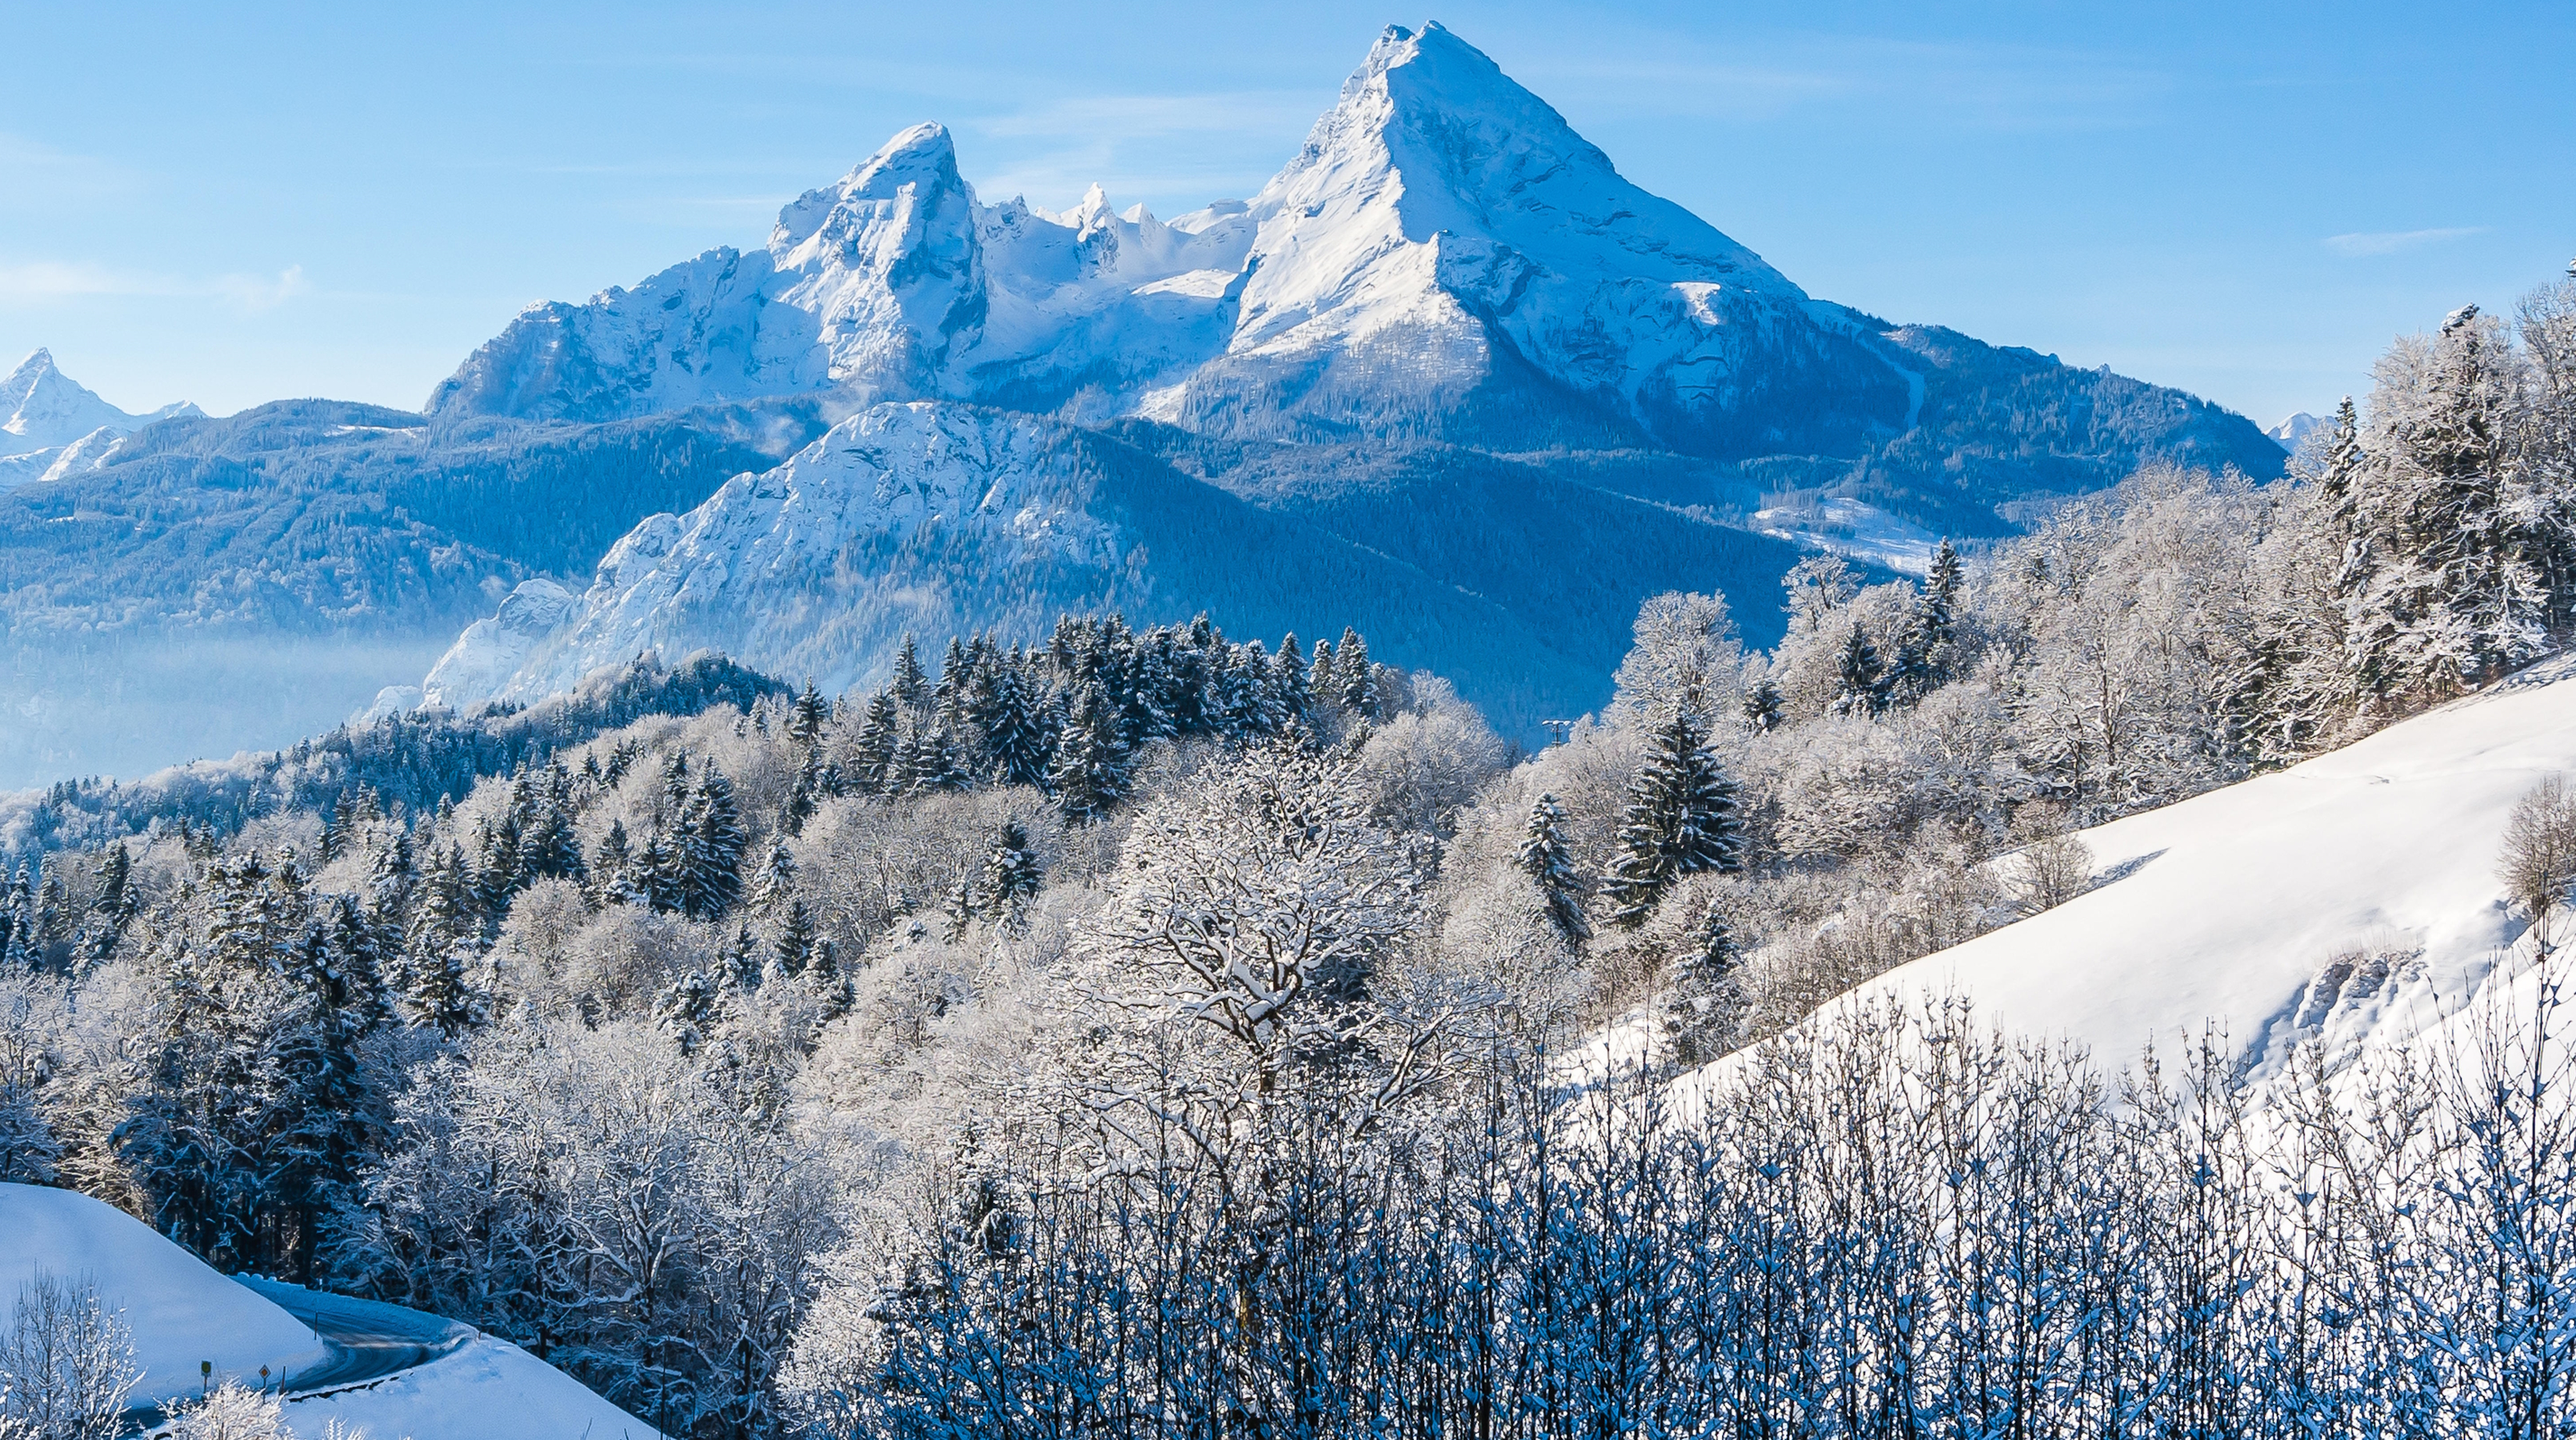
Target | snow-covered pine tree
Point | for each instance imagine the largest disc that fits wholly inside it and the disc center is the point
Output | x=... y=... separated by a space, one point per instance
x=1323 y=677
x=1862 y=687
x=1288 y=685
x=793 y=944
x=1090 y=772
x=1544 y=858
x=1761 y=705
x=1010 y=876
x=1697 y=1002
x=710 y=845
x=1681 y=818
x=1355 y=677
x=776 y=882
x=909 y=687
x=805 y=719
x=875 y=754
x=1923 y=653
x=2454 y=600
x=1015 y=732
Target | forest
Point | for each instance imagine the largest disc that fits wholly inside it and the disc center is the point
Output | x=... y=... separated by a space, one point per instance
x=1158 y=1032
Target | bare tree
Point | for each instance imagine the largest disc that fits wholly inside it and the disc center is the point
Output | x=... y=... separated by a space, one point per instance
x=2048 y=872
x=66 y=1364
x=2538 y=861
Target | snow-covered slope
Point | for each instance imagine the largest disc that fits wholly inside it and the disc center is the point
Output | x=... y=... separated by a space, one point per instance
x=2352 y=898
x=181 y=1312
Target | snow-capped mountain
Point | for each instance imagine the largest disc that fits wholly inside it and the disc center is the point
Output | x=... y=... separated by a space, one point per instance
x=2294 y=430
x=54 y=425
x=1444 y=258
x=892 y=284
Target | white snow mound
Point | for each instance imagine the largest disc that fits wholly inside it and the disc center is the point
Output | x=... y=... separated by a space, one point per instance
x=181 y=1311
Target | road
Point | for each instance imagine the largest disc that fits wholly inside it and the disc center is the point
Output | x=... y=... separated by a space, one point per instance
x=367 y=1339
x=364 y=1341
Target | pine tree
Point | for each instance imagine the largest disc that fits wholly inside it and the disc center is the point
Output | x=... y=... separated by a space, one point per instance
x=115 y=872
x=1922 y=662
x=1011 y=875
x=793 y=945
x=910 y=687
x=1090 y=760
x=805 y=721
x=1323 y=677
x=1544 y=858
x=777 y=879
x=2453 y=598
x=1762 y=705
x=1681 y=819
x=935 y=763
x=875 y=754
x=1862 y=688
x=710 y=845
x=1356 y=677
x=612 y=869
x=1014 y=732
x=1288 y=681
x=1697 y=990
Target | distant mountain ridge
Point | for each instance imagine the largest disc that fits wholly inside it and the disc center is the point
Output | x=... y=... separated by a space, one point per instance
x=1445 y=258
x=1445 y=282
x=1447 y=376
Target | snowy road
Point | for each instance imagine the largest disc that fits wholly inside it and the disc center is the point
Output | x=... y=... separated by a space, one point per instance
x=367 y=1339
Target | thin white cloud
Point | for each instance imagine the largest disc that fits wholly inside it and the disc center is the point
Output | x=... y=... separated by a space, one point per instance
x=2392 y=242
x=41 y=281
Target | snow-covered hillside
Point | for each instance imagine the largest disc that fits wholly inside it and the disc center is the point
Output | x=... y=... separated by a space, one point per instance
x=51 y=425
x=2352 y=898
x=181 y=1314
x=943 y=519
x=180 y=1311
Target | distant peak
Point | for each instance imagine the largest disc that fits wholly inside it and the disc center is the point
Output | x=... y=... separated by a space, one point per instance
x=923 y=157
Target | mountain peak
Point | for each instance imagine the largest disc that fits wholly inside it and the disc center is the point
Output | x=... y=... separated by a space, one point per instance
x=41 y=408
x=921 y=161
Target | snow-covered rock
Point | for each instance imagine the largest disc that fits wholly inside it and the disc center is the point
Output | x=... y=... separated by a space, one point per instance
x=490 y=651
x=180 y=1310
x=41 y=408
x=812 y=568
x=892 y=284
x=2351 y=899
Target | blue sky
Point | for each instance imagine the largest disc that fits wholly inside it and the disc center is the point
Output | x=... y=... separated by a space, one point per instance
x=232 y=204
